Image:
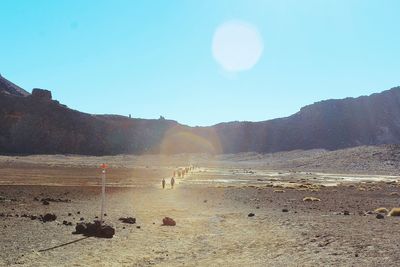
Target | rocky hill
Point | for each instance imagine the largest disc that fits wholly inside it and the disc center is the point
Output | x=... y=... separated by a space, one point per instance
x=36 y=124
x=331 y=124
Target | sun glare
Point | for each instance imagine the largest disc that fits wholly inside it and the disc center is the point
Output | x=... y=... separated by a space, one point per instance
x=237 y=46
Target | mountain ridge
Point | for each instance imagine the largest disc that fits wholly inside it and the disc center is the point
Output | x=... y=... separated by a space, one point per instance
x=37 y=124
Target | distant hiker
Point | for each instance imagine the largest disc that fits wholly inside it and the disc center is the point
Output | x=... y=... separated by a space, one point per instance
x=163 y=183
x=172 y=182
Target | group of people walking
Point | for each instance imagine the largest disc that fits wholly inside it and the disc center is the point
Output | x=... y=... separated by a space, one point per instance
x=172 y=182
x=180 y=173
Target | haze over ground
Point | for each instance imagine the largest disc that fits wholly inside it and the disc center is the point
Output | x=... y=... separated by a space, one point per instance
x=156 y=58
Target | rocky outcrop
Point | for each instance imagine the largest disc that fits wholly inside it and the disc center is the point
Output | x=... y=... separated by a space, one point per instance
x=41 y=93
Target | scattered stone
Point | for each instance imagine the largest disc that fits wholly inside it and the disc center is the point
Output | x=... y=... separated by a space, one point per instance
x=251 y=214
x=129 y=220
x=82 y=219
x=346 y=212
x=78 y=212
x=168 y=221
x=138 y=227
x=45 y=202
x=69 y=214
x=285 y=210
x=380 y=216
x=48 y=217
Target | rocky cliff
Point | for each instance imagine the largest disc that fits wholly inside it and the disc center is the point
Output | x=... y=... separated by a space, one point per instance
x=34 y=123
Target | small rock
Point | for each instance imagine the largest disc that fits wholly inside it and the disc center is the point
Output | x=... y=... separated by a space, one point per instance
x=285 y=210
x=380 y=216
x=138 y=227
x=346 y=212
x=129 y=220
x=251 y=214
x=49 y=217
x=45 y=202
x=169 y=221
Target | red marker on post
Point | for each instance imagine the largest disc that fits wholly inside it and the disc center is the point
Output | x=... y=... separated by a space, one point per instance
x=103 y=189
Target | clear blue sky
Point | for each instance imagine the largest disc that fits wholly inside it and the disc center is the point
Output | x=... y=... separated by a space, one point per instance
x=152 y=58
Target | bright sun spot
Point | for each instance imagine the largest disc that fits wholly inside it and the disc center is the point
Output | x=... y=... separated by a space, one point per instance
x=237 y=46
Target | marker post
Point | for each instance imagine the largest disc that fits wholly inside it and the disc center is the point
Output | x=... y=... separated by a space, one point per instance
x=103 y=190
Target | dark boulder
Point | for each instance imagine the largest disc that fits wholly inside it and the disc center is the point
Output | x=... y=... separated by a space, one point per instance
x=95 y=229
x=80 y=228
x=168 y=221
x=106 y=232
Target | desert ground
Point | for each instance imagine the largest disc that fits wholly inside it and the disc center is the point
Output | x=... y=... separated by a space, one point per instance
x=211 y=206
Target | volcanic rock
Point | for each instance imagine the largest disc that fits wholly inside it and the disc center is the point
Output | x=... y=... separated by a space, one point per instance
x=168 y=221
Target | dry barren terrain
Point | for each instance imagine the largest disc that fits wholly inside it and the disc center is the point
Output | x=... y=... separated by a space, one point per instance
x=211 y=206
